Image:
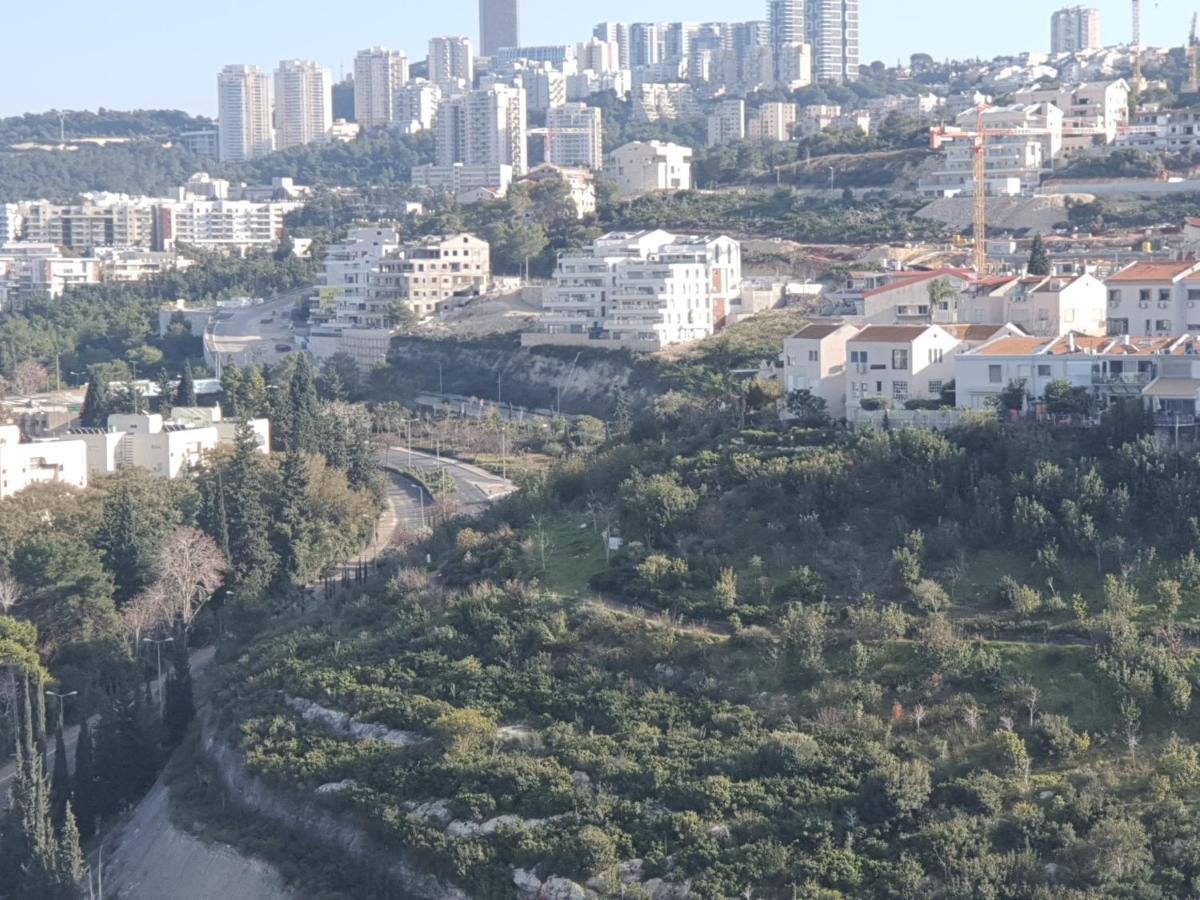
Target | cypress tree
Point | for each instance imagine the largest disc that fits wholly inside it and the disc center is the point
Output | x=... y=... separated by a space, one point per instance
x=302 y=426
x=231 y=391
x=166 y=392
x=69 y=866
x=180 y=707
x=252 y=396
x=60 y=782
x=83 y=782
x=290 y=534
x=185 y=394
x=1039 y=259
x=97 y=404
x=247 y=514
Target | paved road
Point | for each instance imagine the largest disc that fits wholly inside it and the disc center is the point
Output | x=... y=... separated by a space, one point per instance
x=241 y=335
x=474 y=488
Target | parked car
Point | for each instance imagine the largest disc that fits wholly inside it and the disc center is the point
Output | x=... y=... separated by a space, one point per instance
x=283 y=348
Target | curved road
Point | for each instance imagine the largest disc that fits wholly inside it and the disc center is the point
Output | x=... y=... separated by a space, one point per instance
x=242 y=336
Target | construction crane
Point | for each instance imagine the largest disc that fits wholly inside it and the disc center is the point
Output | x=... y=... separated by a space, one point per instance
x=1137 y=47
x=941 y=135
x=1193 y=55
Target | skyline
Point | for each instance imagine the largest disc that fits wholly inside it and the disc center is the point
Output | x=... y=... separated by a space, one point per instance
x=177 y=74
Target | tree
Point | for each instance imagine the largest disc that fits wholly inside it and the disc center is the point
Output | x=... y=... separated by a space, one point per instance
x=1039 y=259
x=188 y=572
x=290 y=534
x=252 y=394
x=1012 y=398
x=234 y=491
x=179 y=707
x=1064 y=399
x=136 y=515
x=84 y=779
x=808 y=408
x=340 y=378
x=97 y=404
x=67 y=592
x=185 y=393
x=231 y=388
x=725 y=591
x=943 y=295
x=60 y=782
x=29 y=377
x=297 y=427
x=653 y=506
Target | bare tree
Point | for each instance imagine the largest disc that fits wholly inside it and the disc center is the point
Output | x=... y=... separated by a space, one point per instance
x=29 y=377
x=918 y=713
x=10 y=593
x=971 y=717
x=145 y=613
x=189 y=569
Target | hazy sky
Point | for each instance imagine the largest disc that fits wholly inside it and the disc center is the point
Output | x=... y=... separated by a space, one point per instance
x=145 y=53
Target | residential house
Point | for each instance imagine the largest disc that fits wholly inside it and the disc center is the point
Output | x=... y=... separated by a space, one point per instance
x=899 y=362
x=39 y=462
x=814 y=359
x=1155 y=298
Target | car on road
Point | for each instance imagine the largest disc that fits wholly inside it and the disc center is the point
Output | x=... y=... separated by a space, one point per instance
x=266 y=319
x=283 y=348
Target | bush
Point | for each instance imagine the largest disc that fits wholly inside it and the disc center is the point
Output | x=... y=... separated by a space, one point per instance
x=923 y=404
x=875 y=404
x=930 y=597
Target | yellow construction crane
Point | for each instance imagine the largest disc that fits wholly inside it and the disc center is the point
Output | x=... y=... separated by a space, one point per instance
x=1193 y=55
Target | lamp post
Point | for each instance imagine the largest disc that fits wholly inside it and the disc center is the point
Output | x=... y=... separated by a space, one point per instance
x=158 y=653
x=61 y=698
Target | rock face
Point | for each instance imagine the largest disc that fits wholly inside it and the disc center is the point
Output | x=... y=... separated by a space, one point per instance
x=562 y=889
x=308 y=815
x=341 y=723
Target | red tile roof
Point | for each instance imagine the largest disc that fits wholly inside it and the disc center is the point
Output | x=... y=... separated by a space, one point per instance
x=1154 y=271
x=908 y=278
x=816 y=331
x=890 y=334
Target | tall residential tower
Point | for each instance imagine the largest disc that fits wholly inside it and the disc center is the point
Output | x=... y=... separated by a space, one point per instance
x=244 y=108
x=498 y=25
x=379 y=73
x=1073 y=29
x=303 y=104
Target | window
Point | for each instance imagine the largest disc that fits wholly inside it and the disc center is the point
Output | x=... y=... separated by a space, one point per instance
x=1114 y=296
x=1043 y=371
x=858 y=357
x=1164 y=295
x=900 y=359
x=1144 y=294
x=814 y=355
x=1193 y=294
x=899 y=390
x=935 y=387
x=994 y=374
x=1162 y=324
x=935 y=355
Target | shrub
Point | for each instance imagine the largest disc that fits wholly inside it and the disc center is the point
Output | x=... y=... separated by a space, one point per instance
x=875 y=404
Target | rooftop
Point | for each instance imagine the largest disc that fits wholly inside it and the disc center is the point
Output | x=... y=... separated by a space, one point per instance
x=890 y=334
x=1155 y=271
x=1086 y=344
x=906 y=279
x=817 y=331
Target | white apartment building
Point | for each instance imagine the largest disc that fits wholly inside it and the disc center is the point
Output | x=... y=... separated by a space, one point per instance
x=451 y=64
x=599 y=56
x=644 y=289
x=303 y=104
x=96 y=220
x=468 y=184
x=575 y=136
x=899 y=362
x=427 y=272
x=653 y=101
x=1093 y=111
x=727 y=123
x=832 y=29
x=615 y=33
x=794 y=66
x=1015 y=163
x=1164 y=130
x=814 y=360
x=1155 y=299
x=416 y=106
x=38 y=271
x=1074 y=29
x=772 y=122
x=228 y=225
x=642 y=167
x=39 y=462
x=483 y=128
x=1106 y=367
x=545 y=87
x=379 y=73
x=905 y=297
x=205 y=142
x=244 y=111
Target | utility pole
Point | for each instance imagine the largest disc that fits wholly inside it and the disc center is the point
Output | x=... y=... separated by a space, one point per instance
x=62 y=699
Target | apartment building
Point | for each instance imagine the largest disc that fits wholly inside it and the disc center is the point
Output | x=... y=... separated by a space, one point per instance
x=425 y=273
x=899 y=362
x=772 y=122
x=1074 y=29
x=379 y=74
x=599 y=56
x=643 y=45
x=205 y=143
x=451 y=64
x=642 y=167
x=468 y=184
x=23 y=465
x=1045 y=306
x=653 y=101
x=303 y=104
x=416 y=105
x=644 y=289
x=575 y=136
x=615 y=33
x=96 y=220
x=1106 y=367
x=832 y=30
x=228 y=225
x=486 y=127
x=814 y=360
x=905 y=297
x=1093 y=112
x=244 y=111
x=37 y=271
x=580 y=184
x=727 y=123
x=1155 y=299
x=1015 y=162
x=1164 y=130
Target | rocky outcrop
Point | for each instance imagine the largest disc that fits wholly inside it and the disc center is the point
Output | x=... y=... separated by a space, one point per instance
x=341 y=723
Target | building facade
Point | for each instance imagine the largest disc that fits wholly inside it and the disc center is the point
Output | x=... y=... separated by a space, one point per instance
x=642 y=167
x=575 y=135
x=244 y=111
x=303 y=104
x=379 y=74
x=451 y=63
x=499 y=25
x=486 y=127
x=1074 y=29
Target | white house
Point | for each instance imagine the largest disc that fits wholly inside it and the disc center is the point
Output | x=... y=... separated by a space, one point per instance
x=1155 y=298
x=899 y=362
x=642 y=167
x=39 y=462
x=905 y=298
x=814 y=359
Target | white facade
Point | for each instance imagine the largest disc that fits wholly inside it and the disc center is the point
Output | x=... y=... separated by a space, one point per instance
x=483 y=128
x=1153 y=298
x=244 y=109
x=1044 y=306
x=416 y=106
x=231 y=225
x=772 y=122
x=1092 y=112
x=303 y=104
x=1164 y=130
x=814 y=360
x=794 y=66
x=642 y=167
x=648 y=289
x=832 y=29
x=37 y=271
x=899 y=363
x=451 y=64
x=379 y=73
x=39 y=462
x=574 y=136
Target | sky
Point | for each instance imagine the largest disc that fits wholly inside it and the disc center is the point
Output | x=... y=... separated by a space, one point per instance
x=149 y=54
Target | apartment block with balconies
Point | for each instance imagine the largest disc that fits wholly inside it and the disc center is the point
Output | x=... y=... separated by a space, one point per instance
x=1155 y=299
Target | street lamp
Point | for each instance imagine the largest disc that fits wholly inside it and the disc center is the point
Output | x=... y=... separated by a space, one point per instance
x=158 y=653
x=61 y=698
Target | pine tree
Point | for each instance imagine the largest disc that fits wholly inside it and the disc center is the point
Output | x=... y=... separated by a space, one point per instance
x=96 y=404
x=249 y=523
x=301 y=422
x=185 y=393
x=361 y=469
x=60 y=782
x=1039 y=259
x=231 y=389
x=121 y=539
x=83 y=781
x=290 y=534
x=252 y=397
x=166 y=393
